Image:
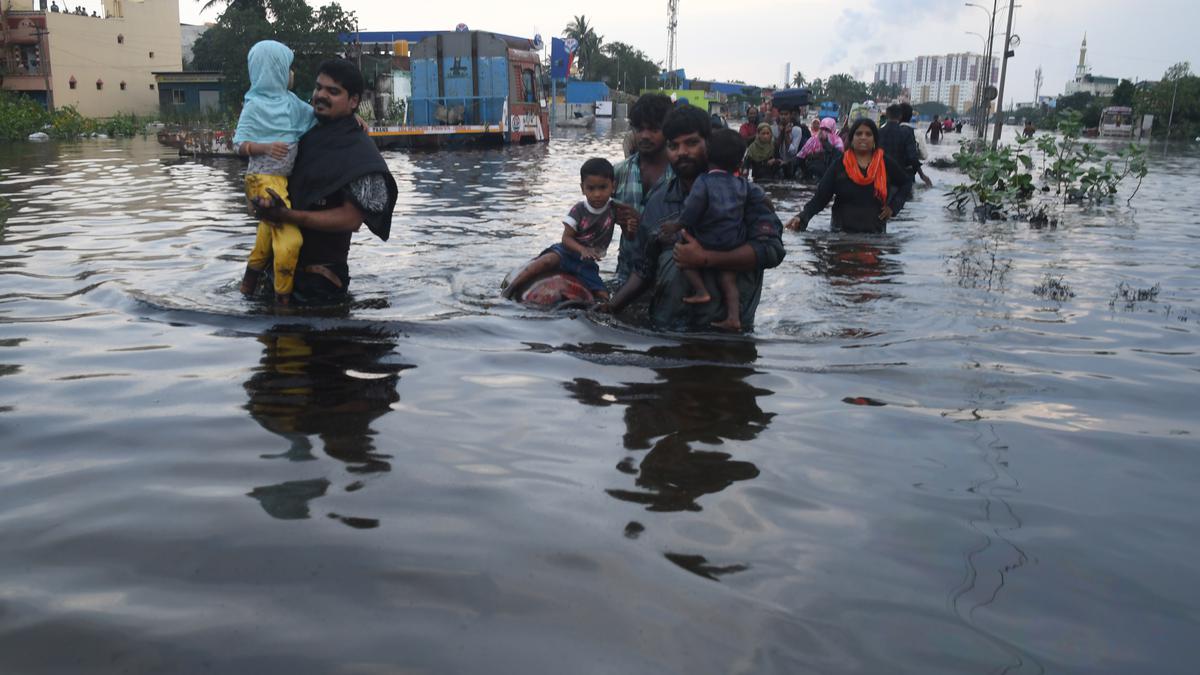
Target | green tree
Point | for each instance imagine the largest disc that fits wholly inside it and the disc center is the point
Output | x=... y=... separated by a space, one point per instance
x=843 y=89
x=798 y=80
x=588 y=53
x=311 y=33
x=1157 y=100
x=1178 y=71
x=1123 y=94
x=931 y=108
x=816 y=90
x=1080 y=101
x=885 y=91
x=625 y=67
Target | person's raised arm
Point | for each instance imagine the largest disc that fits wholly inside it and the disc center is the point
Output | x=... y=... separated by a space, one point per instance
x=819 y=201
x=797 y=141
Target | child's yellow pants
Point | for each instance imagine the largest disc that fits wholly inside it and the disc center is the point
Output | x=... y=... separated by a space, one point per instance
x=279 y=242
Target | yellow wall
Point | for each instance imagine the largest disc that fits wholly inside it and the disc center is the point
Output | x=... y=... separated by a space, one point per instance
x=87 y=48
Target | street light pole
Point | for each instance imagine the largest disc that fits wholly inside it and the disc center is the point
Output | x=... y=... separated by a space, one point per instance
x=987 y=61
x=1003 y=72
x=978 y=80
x=981 y=106
x=1171 y=117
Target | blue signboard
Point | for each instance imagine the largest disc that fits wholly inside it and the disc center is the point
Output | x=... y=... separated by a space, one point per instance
x=558 y=59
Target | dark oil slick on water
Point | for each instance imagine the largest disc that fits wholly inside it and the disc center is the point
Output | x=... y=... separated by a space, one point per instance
x=957 y=448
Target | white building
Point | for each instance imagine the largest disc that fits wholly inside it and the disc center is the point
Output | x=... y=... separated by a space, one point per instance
x=1096 y=85
x=951 y=79
x=188 y=34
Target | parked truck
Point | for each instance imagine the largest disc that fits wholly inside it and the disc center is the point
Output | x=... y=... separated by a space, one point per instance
x=471 y=87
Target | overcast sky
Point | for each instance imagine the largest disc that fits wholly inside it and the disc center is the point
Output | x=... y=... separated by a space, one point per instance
x=753 y=42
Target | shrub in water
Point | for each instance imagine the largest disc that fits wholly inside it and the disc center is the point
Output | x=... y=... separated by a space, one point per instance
x=1001 y=182
x=20 y=116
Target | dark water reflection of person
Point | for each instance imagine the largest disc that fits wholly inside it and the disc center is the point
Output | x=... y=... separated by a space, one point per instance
x=708 y=403
x=327 y=384
x=857 y=266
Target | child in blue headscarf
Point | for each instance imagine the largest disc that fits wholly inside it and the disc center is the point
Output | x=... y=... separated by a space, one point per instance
x=272 y=121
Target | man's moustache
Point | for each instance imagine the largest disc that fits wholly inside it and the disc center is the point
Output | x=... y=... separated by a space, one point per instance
x=320 y=101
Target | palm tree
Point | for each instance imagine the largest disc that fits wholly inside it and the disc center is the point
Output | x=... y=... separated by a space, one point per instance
x=798 y=80
x=588 y=52
x=844 y=89
x=884 y=91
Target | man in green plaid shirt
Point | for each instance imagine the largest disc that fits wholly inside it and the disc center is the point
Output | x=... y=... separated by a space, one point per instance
x=642 y=172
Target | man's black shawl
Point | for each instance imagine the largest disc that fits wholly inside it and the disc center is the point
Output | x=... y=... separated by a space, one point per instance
x=331 y=156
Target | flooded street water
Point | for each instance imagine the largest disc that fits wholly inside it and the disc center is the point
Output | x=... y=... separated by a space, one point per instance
x=956 y=448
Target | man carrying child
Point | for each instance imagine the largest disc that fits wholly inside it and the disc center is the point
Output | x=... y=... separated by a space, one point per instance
x=714 y=214
x=660 y=268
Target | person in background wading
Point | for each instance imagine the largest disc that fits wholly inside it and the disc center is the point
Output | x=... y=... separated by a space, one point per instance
x=899 y=143
x=640 y=173
x=749 y=128
x=867 y=187
x=760 y=163
x=822 y=150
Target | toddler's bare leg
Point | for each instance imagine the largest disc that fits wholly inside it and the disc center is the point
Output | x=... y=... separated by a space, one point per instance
x=733 y=303
x=699 y=294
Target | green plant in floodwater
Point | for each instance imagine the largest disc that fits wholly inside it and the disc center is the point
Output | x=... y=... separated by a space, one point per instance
x=1129 y=297
x=980 y=265
x=20 y=116
x=67 y=124
x=1053 y=288
x=121 y=126
x=1001 y=182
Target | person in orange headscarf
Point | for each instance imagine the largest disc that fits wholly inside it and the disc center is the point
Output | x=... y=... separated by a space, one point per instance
x=869 y=188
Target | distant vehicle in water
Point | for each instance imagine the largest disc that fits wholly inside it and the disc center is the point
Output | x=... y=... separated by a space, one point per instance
x=865 y=110
x=1116 y=122
x=471 y=87
x=828 y=109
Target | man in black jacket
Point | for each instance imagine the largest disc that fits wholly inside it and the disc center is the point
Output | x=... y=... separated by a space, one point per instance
x=899 y=144
x=340 y=181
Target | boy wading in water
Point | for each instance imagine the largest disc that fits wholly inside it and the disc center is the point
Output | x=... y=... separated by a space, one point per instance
x=714 y=213
x=587 y=231
x=272 y=121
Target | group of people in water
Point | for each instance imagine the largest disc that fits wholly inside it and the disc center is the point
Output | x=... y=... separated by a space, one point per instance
x=696 y=232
